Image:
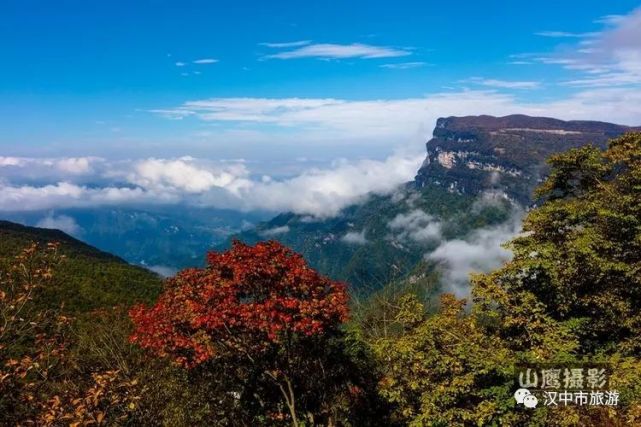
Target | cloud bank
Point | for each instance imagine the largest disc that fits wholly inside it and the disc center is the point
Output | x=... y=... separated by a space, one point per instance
x=319 y=192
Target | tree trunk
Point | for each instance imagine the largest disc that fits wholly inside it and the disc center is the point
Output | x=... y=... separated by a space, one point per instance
x=290 y=400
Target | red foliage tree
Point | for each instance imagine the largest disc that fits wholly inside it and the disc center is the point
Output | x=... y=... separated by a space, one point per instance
x=262 y=292
x=260 y=305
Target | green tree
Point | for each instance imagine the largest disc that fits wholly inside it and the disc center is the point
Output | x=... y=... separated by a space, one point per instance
x=443 y=370
x=573 y=289
x=577 y=267
x=572 y=292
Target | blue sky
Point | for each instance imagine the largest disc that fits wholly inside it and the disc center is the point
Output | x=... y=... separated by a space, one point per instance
x=284 y=86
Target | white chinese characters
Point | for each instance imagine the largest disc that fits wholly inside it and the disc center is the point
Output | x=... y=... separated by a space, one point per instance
x=565 y=385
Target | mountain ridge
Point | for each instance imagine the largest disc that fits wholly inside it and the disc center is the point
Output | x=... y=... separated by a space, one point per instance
x=47 y=235
x=87 y=278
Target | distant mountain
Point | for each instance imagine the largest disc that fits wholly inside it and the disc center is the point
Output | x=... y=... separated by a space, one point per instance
x=88 y=278
x=476 y=153
x=162 y=238
x=384 y=239
x=477 y=177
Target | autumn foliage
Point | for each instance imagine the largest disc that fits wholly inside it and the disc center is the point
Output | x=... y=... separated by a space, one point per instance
x=246 y=299
x=32 y=340
x=261 y=320
x=41 y=382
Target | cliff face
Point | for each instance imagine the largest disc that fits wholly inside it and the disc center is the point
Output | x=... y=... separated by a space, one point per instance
x=471 y=154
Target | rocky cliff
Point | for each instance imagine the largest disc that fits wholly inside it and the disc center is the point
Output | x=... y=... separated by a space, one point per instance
x=471 y=154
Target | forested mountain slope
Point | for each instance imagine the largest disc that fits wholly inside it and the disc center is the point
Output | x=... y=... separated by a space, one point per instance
x=87 y=278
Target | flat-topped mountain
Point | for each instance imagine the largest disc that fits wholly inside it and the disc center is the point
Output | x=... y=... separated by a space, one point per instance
x=516 y=121
x=476 y=153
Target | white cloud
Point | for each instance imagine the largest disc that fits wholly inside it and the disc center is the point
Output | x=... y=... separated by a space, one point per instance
x=180 y=64
x=340 y=51
x=416 y=225
x=61 y=222
x=275 y=231
x=342 y=118
x=324 y=192
x=355 y=237
x=610 y=19
x=205 y=61
x=49 y=166
x=11 y=161
x=66 y=195
x=505 y=84
x=490 y=198
x=618 y=105
x=75 y=165
x=404 y=65
x=561 y=34
x=286 y=44
x=184 y=175
x=610 y=57
x=480 y=252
